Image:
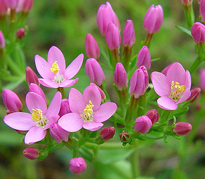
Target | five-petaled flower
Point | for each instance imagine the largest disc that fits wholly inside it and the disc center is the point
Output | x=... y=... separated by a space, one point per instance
x=38 y=120
x=173 y=85
x=54 y=72
x=86 y=110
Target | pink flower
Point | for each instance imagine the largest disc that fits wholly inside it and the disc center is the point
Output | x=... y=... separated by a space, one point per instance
x=86 y=110
x=38 y=120
x=143 y=124
x=65 y=108
x=3 y=8
x=202 y=79
x=173 y=87
x=54 y=73
x=77 y=165
x=129 y=34
x=58 y=133
x=202 y=10
x=11 y=3
x=198 y=32
x=36 y=89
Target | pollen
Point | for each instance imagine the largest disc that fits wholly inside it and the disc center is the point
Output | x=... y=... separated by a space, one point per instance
x=55 y=67
x=37 y=115
x=177 y=90
x=88 y=109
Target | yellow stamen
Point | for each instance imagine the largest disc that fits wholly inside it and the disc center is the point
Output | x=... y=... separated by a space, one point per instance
x=177 y=89
x=36 y=115
x=55 y=67
x=88 y=109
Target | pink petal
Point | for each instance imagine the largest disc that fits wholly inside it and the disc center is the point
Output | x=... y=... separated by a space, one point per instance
x=92 y=126
x=74 y=67
x=19 y=121
x=105 y=111
x=54 y=107
x=185 y=96
x=167 y=103
x=35 y=101
x=71 y=122
x=51 y=121
x=54 y=54
x=160 y=83
x=68 y=83
x=93 y=94
x=76 y=101
x=43 y=68
x=187 y=79
x=48 y=83
x=35 y=134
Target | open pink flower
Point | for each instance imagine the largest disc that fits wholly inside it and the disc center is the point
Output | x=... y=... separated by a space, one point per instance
x=86 y=110
x=38 y=120
x=173 y=86
x=54 y=72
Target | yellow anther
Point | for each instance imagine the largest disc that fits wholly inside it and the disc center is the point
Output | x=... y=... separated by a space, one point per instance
x=177 y=89
x=36 y=115
x=55 y=67
x=88 y=109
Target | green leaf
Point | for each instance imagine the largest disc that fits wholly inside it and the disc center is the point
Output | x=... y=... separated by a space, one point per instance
x=183 y=29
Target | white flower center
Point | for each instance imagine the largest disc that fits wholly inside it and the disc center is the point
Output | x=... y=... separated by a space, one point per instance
x=87 y=114
x=39 y=118
x=177 y=90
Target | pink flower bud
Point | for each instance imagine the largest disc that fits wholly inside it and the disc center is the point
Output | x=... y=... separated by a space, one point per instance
x=106 y=15
x=129 y=34
x=194 y=94
x=153 y=19
x=143 y=124
x=65 y=108
x=3 y=8
x=182 y=128
x=91 y=47
x=202 y=79
x=20 y=33
x=107 y=133
x=144 y=58
x=2 y=40
x=77 y=165
x=36 y=89
x=202 y=10
x=27 y=5
x=112 y=37
x=58 y=133
x=11 y=3
x=186 y=1
x=31 y=76
x=120 y=76
x=198 y=32
x=31 y=153
x=11 y=101
x=199 y=1
x=100 y=90
x=153 y=115
x=139 y=82
x=124 y=136
x=94 y=71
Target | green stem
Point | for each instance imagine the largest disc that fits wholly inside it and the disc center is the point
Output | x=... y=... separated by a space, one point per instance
x=115 y=55
x=195 y=64
x=127 y=54
x=61 y=90
x=148 y=39
x=12 y=65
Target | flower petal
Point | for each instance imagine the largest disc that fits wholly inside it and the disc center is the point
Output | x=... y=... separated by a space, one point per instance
x=74 y=67
x=93 y=94
x=76 y=101
x=160 y=83
x=71 y=122
x=35 y=134
x=92 y=125
x=48 y=83
x=55 y=54
x=43 y=68
x=105 y=111
x=35 y=101
x=68 y=83
x=185 y=96
x=167 y=103
x=19 y=121
x=187 y=79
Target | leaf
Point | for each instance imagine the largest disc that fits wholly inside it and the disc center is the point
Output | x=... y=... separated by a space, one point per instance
x=183 y=29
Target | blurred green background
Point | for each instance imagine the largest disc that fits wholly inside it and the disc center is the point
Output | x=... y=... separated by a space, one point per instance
x=65 y=25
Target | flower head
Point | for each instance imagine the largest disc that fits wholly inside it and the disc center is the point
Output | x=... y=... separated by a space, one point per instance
x=173 y=87
x=86 y=111
x=54 y=72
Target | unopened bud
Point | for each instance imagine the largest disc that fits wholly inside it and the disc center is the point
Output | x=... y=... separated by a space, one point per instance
x=31 y=76
x=58 y=133
x=65 y=108
x=124 y=137
x=31 y=153
x=20 y=33
x=144 y=58
x=77 y=165
x=194 y=94
x=107 y=133
x=143 y=124
x=182 y=128
x=153 y=115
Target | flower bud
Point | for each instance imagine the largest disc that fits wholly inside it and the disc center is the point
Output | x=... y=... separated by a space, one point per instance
x=198 y=32
x=77 y=165
x=186 y=1
x=36 y=89
x=202 y=79
x=129 y=34
x=11 y=101
x=182 y=128
x=120 y=76
x=153 y=115
x=143 y=124
x=144 y=58
x=11 y=3
x=202 y=10
x=107 y=133
x=199 y=1
x=27 y=5
x=58 y=133
x=31 y=76
x=139 y=82
x=31 y=153
x=20 y=33
x=153 y=19
x=100 y=90
x=194 y=94
x=2 y=40
x=106 y=15
x=112 y=37
x=3 y=8
x=91 y=47
x=124 y=137
x=65 y=107
x=94 y=71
